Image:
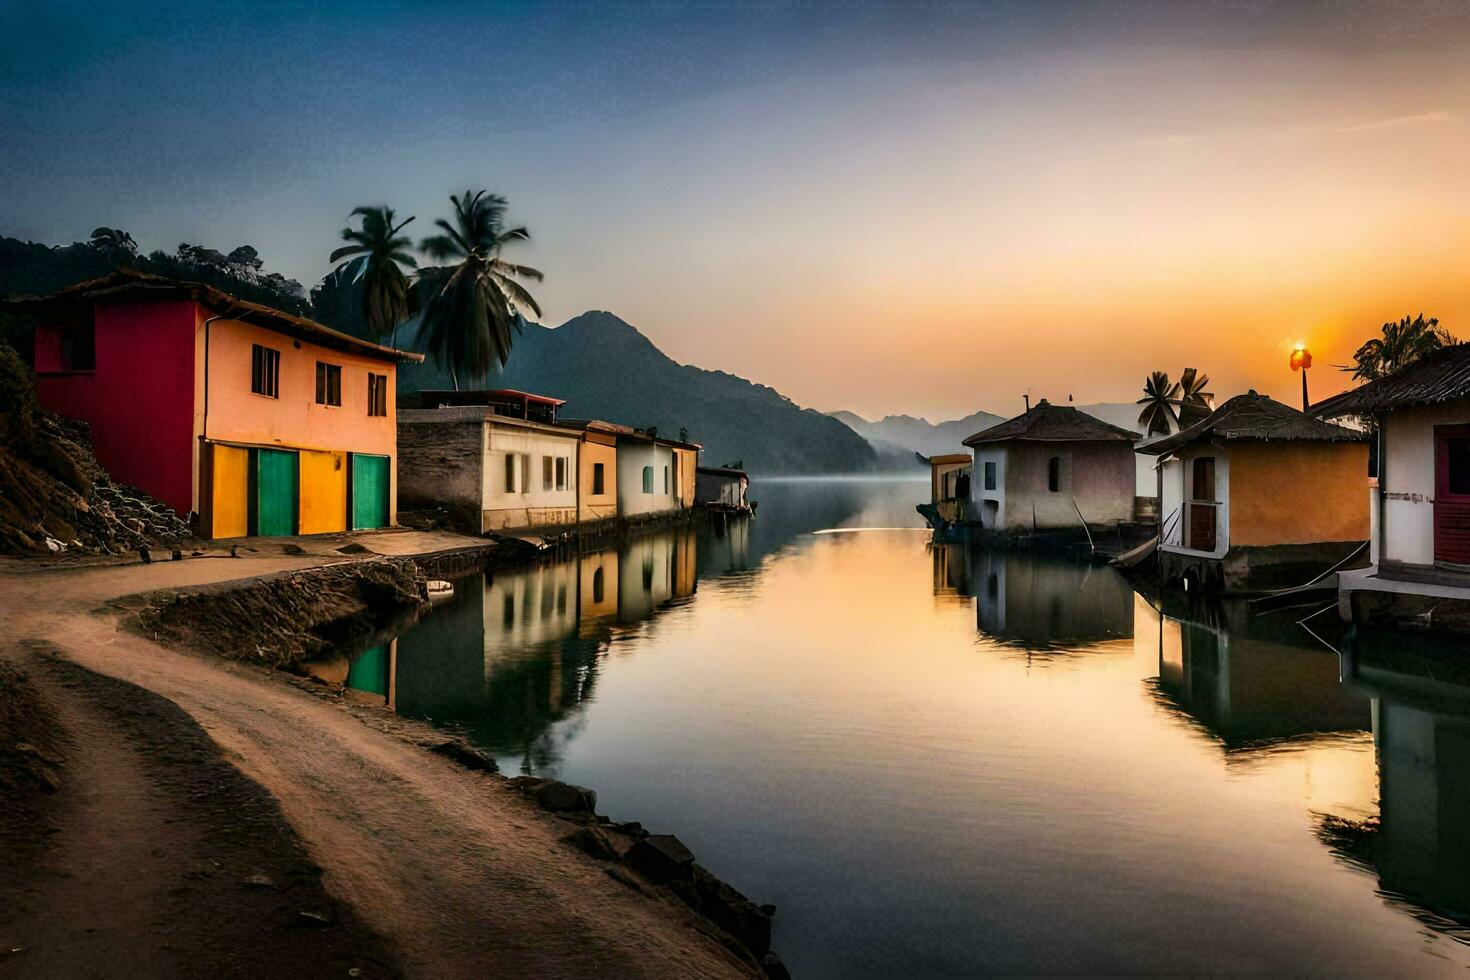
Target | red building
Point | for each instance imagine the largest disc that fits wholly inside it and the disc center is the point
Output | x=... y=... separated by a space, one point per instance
x=258 y=421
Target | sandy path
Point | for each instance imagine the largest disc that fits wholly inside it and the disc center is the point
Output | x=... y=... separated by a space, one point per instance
x=457 y=871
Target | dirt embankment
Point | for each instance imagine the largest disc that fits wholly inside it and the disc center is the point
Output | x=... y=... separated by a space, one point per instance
x=134 y=848
x=54 y=495
x=283 y=619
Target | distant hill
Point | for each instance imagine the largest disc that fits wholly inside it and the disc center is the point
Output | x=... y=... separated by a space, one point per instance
x=904 y=435
x=606 y=369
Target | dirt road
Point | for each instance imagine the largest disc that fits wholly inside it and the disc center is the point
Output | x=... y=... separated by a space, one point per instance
x=426 y=867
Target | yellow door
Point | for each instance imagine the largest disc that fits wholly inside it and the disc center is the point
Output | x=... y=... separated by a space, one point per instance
x=323 y=492
x=229 y=492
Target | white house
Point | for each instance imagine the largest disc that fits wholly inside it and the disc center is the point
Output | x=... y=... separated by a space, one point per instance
x=655 y=475
x=1420 y=505
x=1051 y=468
x=496 y=466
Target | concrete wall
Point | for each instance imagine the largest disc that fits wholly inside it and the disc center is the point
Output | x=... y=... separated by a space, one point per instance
x=1100 y=477
x=441 y=459
x=1408 y=480
x=633 y=456
x=988 y=506
x=1297 y=492
x=598 y=448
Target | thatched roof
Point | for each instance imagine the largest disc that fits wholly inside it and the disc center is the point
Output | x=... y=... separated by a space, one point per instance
x=1254 y=417
x=1441 y=376
x=1052 y=423
x=132 y=284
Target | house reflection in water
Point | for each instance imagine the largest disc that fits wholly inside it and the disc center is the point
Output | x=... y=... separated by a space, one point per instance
x=1250 y=680
x=1420 y=845
x=1023 y=599
x=513 y=654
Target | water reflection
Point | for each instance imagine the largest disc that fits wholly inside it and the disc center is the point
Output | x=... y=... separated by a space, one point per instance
x=832 y=728
x=1035 y=602
x=1419 y=844
x=1250 y=679
x=516 y=652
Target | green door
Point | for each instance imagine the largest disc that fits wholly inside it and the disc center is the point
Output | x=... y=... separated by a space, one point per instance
x=369 y=491
x=275 y=492
x=369 y=672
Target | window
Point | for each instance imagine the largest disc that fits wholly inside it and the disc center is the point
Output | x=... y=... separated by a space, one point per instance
x=666 y=479
x=328 y=384
x=561 y=472
x=378 y=394
x=1457 y=466
x=79 y=348
x=525 y=472
x=597 y=490
x=546 y=472
x=510 y=472
x=990 y=475
x=648 y=479
x=597 y=586
x=1054 y=474
x=265 y=371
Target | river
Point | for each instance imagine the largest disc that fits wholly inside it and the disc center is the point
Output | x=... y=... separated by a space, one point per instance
x=938 y=761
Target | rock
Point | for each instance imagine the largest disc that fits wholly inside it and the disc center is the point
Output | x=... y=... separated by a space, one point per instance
x=53 y=545
x=632 y=828
x=259 y=880
x=466 y=755
x=733 y=912
x=559 y=797
x=353 y=548
x=775 y=969
x=593 y=843
x=176 y=555
x=527 y=783
x=293 y=549
x=661 y=858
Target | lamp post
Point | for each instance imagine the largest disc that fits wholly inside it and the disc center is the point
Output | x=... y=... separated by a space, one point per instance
x=1301 y=359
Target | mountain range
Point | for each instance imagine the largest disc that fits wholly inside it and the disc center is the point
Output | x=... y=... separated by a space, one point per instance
x=896 y=437
x=606 y=369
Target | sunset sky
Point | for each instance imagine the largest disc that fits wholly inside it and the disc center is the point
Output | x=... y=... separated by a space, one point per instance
x=927 y=210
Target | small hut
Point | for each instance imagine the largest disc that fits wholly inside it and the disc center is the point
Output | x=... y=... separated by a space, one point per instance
x=1259 y=495
x=1054 y=469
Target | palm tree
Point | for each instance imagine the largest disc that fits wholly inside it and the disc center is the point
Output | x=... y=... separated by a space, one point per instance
x=378 y=250
x=1402 y=344
x=471 y=306
x=1193 y=400
x=1159 y=396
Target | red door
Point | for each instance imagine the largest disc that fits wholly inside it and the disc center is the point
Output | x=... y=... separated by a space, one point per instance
x=1452 y=494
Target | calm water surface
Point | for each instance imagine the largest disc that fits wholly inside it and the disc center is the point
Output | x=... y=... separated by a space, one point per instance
x=936 y=761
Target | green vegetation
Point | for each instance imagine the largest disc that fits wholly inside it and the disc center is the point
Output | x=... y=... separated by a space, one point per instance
x=470 y=307
x=377 y=251
x=1170 y=405
x=1399 y=345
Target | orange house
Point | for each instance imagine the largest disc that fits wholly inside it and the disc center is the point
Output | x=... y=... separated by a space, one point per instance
x=254 y=420
x=1259 y=494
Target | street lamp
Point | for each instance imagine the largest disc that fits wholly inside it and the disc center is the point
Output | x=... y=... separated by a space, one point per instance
x=1301 y=359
